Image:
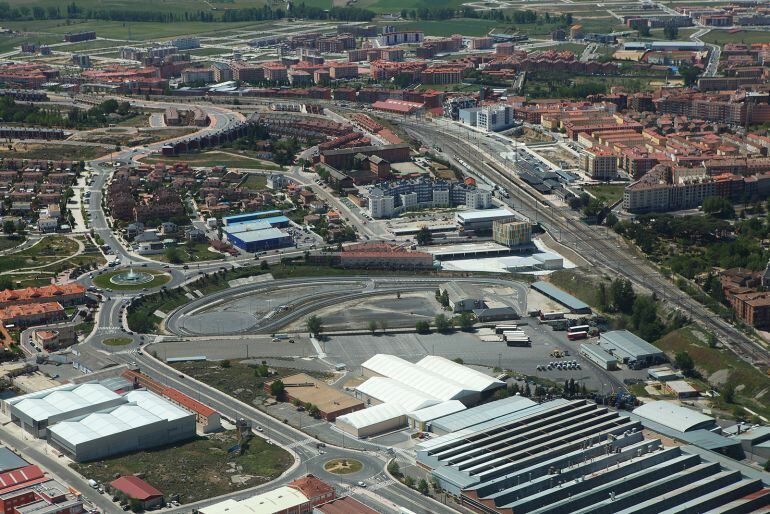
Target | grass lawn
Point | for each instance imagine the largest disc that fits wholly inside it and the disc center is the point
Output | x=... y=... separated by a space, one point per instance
x=720 y=37
x=254 y=181
x=209 y=159
x=606 y=193
x=50 y=249
x=103 y=280
x=578 y=284
x=118 y=341
x=11 y=242
x=198 y=469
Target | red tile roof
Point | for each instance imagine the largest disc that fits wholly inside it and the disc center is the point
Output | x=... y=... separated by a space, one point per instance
x=52 y=291
x=187 y=402
x=21 y=476
x=135 y=488
x=312 y=487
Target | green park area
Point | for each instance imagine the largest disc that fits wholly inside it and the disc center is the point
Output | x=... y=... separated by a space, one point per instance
x=108 y=280
x=49 y=250
x=199 y=469
x=608 y=194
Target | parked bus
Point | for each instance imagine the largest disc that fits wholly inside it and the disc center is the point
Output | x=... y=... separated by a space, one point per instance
x=499 y=329
x=551 y=315
x=579 y=328
x=573 y=336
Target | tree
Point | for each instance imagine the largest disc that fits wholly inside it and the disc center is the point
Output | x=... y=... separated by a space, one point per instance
x=314 y=325
x=277 y=389
x=422 y=327
x=314 y=411
x=466 y=322
x=9 y=227
x=394 y=469
x=408 y=481
x=444 y=300
x=225 y=364
x=689 y=74
x=622 y=295
x=719 y=207
x=684 y=362
x=264 y=265
x=671 y=32
x=644 y=31
x=728 y=391
x=383 y=325
x=602 y=296
x=422 y=486
x=372 y=325
x=443 y=324
x=173 y=255
x=423 y=236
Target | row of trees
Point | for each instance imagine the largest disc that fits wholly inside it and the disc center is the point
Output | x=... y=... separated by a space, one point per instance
x=75 y=11
x=526 y=17
x=27 y=113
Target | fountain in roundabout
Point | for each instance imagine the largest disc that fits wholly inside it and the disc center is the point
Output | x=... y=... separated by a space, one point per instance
x=132 y=278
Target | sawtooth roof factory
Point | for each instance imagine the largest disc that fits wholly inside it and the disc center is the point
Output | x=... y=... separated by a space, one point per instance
x=578 y=457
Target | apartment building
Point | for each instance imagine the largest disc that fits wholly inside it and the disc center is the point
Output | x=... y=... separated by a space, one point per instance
x=600 y=163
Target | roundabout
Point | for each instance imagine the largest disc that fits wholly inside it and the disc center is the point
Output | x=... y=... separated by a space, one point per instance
x=131 y=279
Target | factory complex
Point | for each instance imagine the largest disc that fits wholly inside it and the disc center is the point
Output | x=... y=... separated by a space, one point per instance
x=515 y=456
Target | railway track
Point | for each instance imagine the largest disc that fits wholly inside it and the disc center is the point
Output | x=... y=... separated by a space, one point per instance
x=598 y=246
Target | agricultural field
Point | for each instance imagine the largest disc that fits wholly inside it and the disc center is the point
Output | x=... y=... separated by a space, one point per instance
x=720 y=37
x=468 y=27
x=139 y=31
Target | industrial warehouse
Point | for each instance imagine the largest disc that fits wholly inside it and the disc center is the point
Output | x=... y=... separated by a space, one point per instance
x=400 y=393
x=90 y=421
x=578 y=457
x=257 y=231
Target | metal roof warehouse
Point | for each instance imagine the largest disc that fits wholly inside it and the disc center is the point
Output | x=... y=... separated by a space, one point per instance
x=556 y=294
x=630 y=348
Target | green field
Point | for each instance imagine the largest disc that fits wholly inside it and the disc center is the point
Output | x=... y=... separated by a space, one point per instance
x=140 y=31
x=468 y=27
x=720 y=37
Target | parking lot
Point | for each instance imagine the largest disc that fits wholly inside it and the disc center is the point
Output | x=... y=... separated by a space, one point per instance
x=353 y=350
